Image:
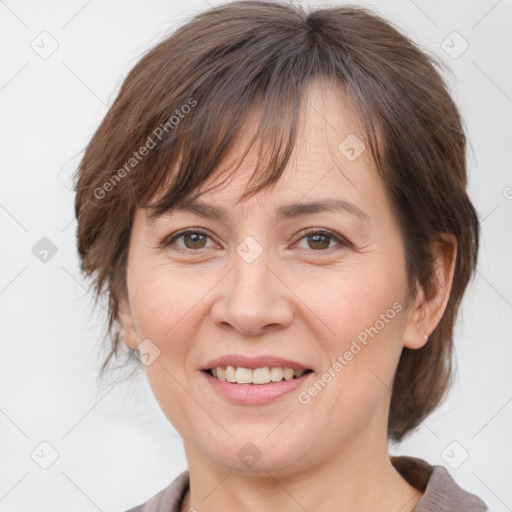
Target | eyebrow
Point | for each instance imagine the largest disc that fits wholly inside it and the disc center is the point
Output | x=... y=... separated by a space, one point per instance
x=286 y=211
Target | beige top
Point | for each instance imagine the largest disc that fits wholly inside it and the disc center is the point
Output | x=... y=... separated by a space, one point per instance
x=442 y=494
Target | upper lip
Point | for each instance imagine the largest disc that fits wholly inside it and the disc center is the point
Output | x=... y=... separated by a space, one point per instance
x=253 y=362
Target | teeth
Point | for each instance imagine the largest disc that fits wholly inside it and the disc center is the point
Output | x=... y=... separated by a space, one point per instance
x=243 y=376
x=257 y=376
x=276 y=374
x=230 y=373
x=261 y=376
x=288 y=373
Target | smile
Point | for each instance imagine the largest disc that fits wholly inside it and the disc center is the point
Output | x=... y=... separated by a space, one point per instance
x=256 y=386
x=260 y=376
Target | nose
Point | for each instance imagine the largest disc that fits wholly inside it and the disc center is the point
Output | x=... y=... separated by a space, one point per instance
x=253 y=299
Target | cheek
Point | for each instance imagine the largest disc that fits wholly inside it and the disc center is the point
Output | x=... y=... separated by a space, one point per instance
x=167 y=308
x=163 y=304
x=351 y=302
x=365 y=315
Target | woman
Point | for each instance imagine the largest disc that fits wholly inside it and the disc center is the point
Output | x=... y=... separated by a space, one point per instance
x=276 y=206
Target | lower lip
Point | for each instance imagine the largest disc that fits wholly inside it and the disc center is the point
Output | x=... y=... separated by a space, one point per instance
x=255 y=394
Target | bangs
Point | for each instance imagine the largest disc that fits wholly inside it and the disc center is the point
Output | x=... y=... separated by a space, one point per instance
x=266 y=110
x=223 y=137
x=257 y=85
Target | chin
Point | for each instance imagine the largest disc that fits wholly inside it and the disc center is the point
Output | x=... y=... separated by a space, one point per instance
x=256 y=454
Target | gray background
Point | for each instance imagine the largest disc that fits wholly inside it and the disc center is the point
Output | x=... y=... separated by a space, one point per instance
x=115 y=448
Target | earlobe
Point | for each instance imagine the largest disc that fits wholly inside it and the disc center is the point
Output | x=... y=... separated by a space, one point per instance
x=427 y=312
x=126 y=324
x=415 y=334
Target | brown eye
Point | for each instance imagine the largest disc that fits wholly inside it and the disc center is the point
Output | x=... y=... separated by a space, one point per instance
x=320 y=241
x=193 y=240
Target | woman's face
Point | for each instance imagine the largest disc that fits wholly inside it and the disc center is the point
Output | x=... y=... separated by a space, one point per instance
x=311 y=286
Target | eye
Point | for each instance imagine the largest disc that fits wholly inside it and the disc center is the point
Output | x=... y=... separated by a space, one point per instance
x=192 y=238
x=320 y=240
x=196 y=239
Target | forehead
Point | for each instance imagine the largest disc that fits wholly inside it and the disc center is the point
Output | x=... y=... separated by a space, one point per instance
x=320 y=175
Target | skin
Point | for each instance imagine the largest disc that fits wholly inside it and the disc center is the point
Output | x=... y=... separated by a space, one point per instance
x=296 y=300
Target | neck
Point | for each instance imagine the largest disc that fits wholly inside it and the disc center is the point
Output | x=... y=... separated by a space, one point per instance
x=359 y=477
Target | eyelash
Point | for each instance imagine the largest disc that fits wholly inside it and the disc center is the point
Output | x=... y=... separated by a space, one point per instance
x=342 y=242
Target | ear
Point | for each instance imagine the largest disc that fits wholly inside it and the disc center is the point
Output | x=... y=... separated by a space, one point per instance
x=425 y=315
x=127 y=325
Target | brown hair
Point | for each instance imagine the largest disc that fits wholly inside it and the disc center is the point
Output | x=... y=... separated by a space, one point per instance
x=194 y=92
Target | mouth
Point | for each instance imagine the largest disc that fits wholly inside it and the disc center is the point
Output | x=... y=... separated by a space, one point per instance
x=255 y=386
x=256 y=376
x=259 y=380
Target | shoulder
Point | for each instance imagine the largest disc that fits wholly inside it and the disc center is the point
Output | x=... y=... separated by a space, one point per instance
x=441 y=492
x=168 y=499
